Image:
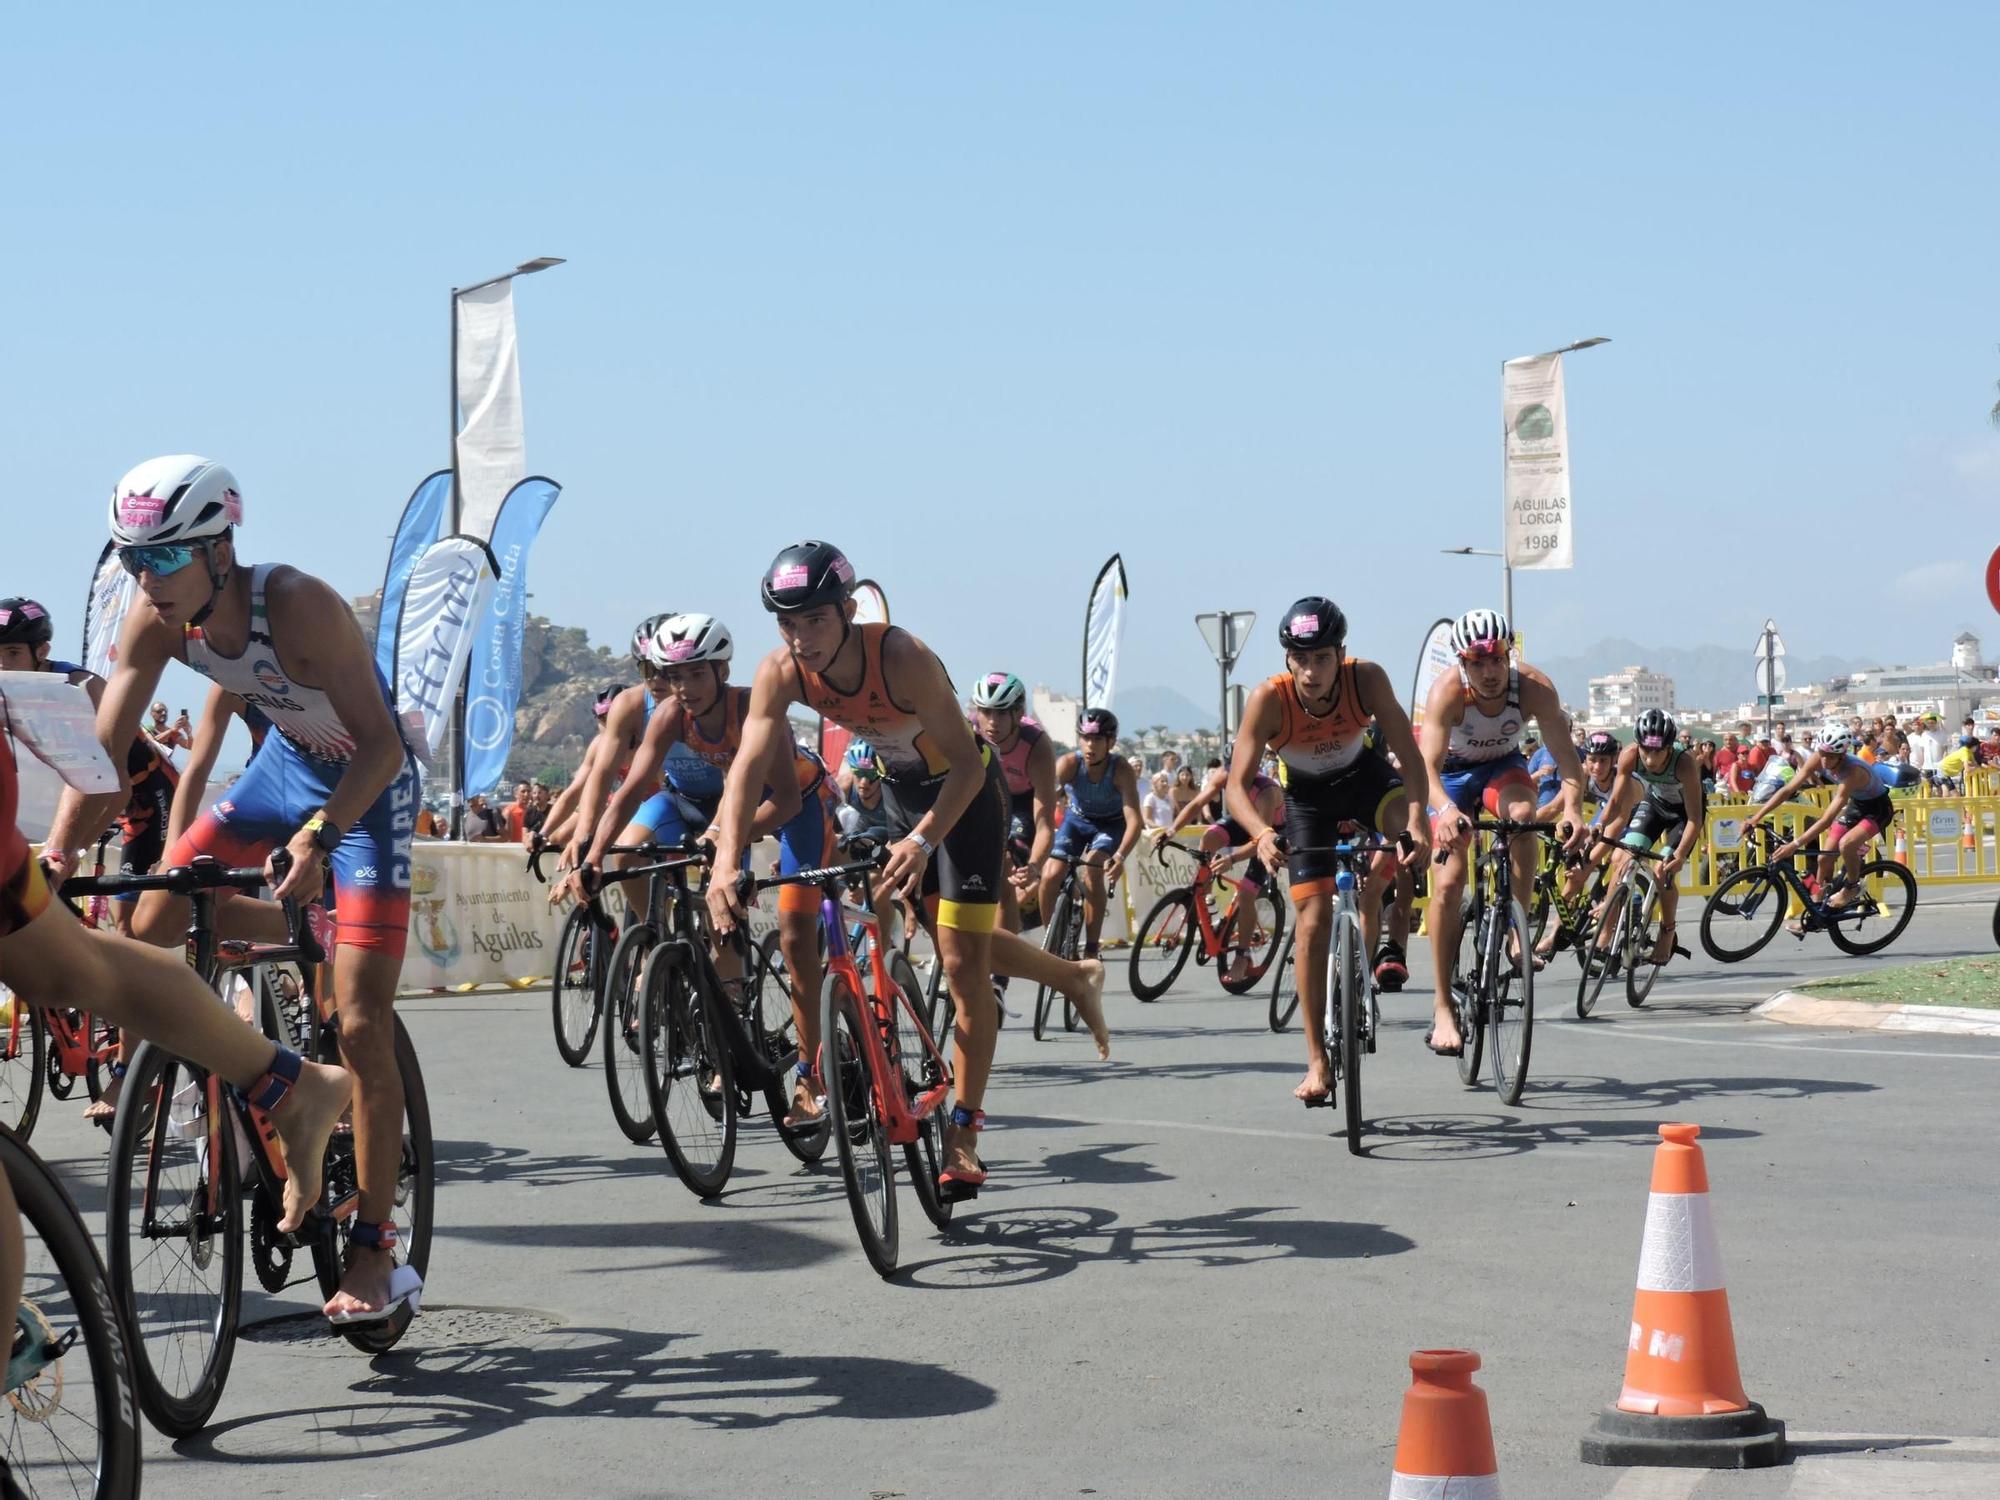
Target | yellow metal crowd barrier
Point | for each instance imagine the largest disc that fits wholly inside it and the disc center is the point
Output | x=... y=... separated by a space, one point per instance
x=1942 y=840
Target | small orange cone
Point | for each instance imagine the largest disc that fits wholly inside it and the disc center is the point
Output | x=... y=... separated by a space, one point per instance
x=1683 y=1404
x=1902 y=855
x=1445 y=1447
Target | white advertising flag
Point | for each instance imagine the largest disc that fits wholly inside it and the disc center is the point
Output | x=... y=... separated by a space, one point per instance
x=448 y=592
x=104 y=612
x=1537 y=516
x=492 y=452
x=1433 y=661
x=1103 y=625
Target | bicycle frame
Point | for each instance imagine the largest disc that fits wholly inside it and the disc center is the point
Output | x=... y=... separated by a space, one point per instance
x=1206 y=876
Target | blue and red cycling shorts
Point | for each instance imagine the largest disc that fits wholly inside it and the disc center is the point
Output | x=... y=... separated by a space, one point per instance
x=277 y=792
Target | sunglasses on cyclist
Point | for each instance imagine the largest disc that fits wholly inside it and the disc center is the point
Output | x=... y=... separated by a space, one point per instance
x=161 y=561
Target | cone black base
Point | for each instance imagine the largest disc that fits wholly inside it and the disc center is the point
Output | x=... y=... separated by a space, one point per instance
x=1746 y=1439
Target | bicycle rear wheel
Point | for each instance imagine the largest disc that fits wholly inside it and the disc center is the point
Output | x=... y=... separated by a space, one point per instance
x=576 y=994
x=1467 y=988
x=75 y=1426
x=776 y=1029
x=24 y=1042
x=174 y=1227
x=1260 y=946
x=1165 y=940
x=1743 y=914
x=414 y=1201
x=690 y=1084
x=624 y=1042
x=1875 y=921
x=1352 y=973
x=1065 y=919
x=859 y=1131
x=924 y=1157
x=1511 y=1011
x=1285 y=985
x=1591 y=983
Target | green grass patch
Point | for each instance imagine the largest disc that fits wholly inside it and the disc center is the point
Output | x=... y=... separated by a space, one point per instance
x=1970 y=982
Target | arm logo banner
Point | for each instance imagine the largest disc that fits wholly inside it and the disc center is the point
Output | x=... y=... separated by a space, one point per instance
x=495 y=684
x=423 y=520
x=1537 y=518
x=492 y=450
x=448 y=593
x=1103 y=625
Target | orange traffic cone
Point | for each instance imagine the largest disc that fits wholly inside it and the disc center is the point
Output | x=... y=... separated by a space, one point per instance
x=1683 y=1404
x=1446 y=1443
x=1902 y=854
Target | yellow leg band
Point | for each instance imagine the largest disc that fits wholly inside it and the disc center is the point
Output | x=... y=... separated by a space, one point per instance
x=967 y=916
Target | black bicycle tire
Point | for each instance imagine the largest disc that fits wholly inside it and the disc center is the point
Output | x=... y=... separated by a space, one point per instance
x=1887 y=870
x=851 y=1111
x=676 y=1019
x=1260 y=967
x=52 y=1215
x=579 y=927
x=1181 y=896
x=1509 y=1086
x=1466 y=991
x=1777 y=893
x=35 y=1032
x=628 y=956
x=806 y=1146
x=177 y=1415
x=1591 y=984
x=1353 y=995
x=923 y=1157
x=1058 y=940
x=1285 y=1000
x=1642 y=939
x=379 y=1337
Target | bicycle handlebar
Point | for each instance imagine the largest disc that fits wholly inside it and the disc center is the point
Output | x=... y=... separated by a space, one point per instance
x=206 y=874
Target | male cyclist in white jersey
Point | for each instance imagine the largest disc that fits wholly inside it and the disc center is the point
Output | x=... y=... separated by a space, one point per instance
x=1474 y=721
x=335 y=785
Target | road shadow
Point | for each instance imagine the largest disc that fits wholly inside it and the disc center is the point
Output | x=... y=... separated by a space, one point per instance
x=1594 y=1092
x=1466 y=1137
x=1017 y=1247
x=487 y=1162
x=416 y=1399
x=716 y=1241
x=1089 y=1070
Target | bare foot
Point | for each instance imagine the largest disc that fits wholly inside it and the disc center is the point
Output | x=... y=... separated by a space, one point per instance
x=304 y=1121
x=1444 y=1035
x=105 y=1107
x=1089 y=1003
x=1318 y=1082
x=807 y=1108
x=961 y=1154
x=365 y=1286
x=1664 y=948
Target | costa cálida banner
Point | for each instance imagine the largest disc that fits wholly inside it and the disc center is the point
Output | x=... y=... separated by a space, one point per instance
x=1537 y=517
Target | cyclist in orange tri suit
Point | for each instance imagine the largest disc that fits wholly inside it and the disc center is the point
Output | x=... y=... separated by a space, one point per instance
x=883 y=684
x=1316 y=715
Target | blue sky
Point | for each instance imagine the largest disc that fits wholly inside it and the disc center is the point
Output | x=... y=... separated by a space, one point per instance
x=986 y=292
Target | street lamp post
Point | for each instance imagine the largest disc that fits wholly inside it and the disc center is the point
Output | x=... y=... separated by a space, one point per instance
x=525 y=268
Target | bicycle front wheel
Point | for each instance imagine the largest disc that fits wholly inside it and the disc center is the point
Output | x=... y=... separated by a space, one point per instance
x=1353 y=980
x=854 y=1112
x=1742 y=915
x=1060 y=939
x=25 y=1035
x=1642 y=938
x=1873 y=922
x=1595 y=971
x=1467 y=989
x=576 y=996
x=1166 y=939
x=1260 y=944
x=624 y=1039
x=173 y=1224
x=1512 y=1009
x=74 y=1429
x=690 y=1084
x=1285 y=985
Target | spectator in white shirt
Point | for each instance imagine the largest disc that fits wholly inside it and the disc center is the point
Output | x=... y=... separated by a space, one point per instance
x=1158 y=804
x=1926 y=748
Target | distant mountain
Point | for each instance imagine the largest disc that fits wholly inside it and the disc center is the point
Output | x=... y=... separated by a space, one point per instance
x=1708 y=677
x=1141 y=707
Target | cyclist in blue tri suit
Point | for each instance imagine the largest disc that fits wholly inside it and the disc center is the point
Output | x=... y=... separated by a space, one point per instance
x=1101 y=821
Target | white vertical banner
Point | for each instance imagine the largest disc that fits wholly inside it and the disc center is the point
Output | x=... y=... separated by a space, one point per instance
x=1434 y=660
x=104 y=612
x=1103 y=627
x=448 y=592
x=492 y=452
x=1536 y=521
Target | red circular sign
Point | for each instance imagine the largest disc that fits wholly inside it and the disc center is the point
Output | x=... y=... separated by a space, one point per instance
x=1993 y=578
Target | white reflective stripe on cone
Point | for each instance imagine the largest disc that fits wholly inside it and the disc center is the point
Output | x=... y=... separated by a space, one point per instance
x=1456 y=1487
x=1679 y=1252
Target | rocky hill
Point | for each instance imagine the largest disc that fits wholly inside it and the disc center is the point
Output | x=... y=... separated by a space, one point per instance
x=562 y=674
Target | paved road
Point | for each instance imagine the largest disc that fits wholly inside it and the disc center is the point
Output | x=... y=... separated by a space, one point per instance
x=1178 y=1282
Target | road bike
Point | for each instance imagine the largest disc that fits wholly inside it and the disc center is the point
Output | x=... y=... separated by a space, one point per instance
x=1745 y=911
x=582 y=961
x=176 y=1206
x=1063 y=936
x=1182 y=924
x=1633 y=910
x=888 y=1084
x=72 y=1413
x=1493 y=991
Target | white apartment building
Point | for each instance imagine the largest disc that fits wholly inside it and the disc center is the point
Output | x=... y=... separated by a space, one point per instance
x=1056 y=712
x=1623 y=696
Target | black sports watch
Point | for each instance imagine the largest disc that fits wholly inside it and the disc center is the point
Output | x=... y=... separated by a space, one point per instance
x=325 y=837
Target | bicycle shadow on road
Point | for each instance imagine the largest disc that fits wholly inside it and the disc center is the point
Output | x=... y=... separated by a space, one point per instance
x=416 y=1399
x=1018 y=1247
x=1581 y=1091
x=1469 y=1137
x=720 y=1243
x=488 y=1162
x=1079 y=1070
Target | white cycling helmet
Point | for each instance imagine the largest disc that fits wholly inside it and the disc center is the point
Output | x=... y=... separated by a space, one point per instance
x=180 y=498
x=1482 y=632
x=688 y=638
x=1836 y=739
x=997 y=692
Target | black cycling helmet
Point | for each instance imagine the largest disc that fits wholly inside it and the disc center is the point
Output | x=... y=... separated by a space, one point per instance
x=23 y=622
x=1601 y=742
x=1656 y=729
x=806 y=575
x=1097 y=721
x=1312 y=623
